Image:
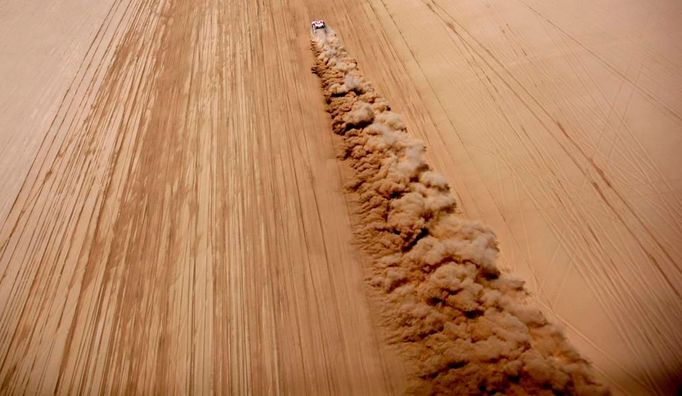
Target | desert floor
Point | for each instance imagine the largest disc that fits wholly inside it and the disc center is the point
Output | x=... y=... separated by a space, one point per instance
x=172 y=214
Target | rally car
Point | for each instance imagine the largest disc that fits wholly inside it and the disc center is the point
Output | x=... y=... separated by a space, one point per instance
x=317 y=24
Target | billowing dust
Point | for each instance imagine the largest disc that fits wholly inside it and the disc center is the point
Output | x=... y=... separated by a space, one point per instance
x=464 y=326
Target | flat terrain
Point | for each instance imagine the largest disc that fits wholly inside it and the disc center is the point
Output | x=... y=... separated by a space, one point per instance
x=172 y=214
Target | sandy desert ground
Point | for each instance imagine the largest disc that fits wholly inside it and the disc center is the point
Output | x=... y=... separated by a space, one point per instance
x=172 y=212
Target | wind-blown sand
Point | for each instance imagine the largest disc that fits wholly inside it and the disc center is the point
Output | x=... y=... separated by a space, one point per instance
x=173 y=217
x=464 y=326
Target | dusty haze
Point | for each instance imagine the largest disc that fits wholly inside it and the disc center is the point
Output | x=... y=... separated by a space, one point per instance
x=174 y=218
x=463 y=326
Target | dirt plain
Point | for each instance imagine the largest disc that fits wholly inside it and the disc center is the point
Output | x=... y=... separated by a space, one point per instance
x=172 y=212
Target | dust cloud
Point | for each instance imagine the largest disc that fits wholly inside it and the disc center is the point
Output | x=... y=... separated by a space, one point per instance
x=463 y=325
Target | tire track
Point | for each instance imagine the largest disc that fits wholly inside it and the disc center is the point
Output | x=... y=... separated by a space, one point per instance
x=628 y=301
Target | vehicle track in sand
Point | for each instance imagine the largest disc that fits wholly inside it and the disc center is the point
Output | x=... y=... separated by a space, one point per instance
x=181 y=227
x=172 y=216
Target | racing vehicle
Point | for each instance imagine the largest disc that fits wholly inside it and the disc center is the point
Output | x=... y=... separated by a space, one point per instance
x=317 y=24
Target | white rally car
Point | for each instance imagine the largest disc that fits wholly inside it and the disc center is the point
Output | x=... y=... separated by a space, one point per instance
x=317 y=24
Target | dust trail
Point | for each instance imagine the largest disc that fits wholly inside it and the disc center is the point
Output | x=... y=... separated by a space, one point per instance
x=466 y=328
